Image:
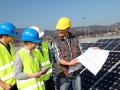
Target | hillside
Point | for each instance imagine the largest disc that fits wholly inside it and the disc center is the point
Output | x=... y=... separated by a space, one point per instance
x=81 y=31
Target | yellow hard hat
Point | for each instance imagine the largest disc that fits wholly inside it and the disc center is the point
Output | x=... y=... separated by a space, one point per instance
x=63 y=23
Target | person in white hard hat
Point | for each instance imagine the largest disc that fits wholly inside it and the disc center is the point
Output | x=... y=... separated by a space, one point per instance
x=45 y=53
x=41 y=33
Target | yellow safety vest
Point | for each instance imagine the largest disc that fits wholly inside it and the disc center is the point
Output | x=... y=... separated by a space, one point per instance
x=45 y=61
x=6 y=65
x=30 y=66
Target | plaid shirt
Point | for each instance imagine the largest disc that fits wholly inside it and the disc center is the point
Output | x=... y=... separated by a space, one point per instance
x=56 y=52
x=56 y=56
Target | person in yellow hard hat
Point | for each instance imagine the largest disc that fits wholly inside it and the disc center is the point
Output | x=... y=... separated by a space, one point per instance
x=66 y=48
x=63 y=23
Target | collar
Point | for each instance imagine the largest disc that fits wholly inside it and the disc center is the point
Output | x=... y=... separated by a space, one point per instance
x=27 y=50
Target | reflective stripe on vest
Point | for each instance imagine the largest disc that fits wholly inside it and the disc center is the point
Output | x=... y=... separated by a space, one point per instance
x=45 y=63
x=35 y=86
x=46 y=60
x=6 y=65
x=30 y=66
x=11 y=75
x=39 y=84
x=25 y=81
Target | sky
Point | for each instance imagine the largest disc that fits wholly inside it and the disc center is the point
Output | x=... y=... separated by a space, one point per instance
x=45 y=13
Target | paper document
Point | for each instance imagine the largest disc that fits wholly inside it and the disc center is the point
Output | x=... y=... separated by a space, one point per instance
x=93 y=59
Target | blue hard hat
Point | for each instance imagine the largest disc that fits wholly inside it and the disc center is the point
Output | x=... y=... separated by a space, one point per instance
x=30 y=34
x=8 y=29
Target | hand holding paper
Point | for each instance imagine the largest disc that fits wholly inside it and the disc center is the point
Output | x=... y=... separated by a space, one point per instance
x=93 y=59
x=73 y=62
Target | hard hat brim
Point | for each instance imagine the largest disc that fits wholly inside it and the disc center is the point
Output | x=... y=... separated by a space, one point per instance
x=14 y=34
x=37 y=41
x=41 y=34
x=10 y=34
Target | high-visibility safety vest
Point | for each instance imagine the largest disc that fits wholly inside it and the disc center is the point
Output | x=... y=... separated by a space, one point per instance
x=6 y=65
x=45 y=61
x=31 y=65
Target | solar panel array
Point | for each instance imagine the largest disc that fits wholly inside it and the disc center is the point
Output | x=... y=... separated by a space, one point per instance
x=107 y=44
x=108 y=78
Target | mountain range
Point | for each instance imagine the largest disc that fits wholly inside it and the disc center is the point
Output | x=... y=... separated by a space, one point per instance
x=81 y=30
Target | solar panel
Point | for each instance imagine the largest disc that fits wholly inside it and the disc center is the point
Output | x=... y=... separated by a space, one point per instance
x=112 y=45
x=108 y=77
x=109 y=80
x=109 y=40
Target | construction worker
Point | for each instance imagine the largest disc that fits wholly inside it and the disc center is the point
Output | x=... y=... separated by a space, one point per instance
x=7 y=34
x=28 y=69
x=45 y=61
x=66 y=48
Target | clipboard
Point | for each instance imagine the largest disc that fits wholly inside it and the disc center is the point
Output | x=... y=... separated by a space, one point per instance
x=49 y=66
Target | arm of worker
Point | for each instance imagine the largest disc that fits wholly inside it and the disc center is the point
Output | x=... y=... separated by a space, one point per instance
x=58 y=55
x=70 y=63
x=5 y=86
x=18 y=70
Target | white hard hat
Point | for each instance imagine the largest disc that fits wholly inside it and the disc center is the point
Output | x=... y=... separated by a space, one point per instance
x=41 y=33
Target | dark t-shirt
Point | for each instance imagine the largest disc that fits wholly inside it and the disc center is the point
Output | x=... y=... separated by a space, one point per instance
x=7 y=47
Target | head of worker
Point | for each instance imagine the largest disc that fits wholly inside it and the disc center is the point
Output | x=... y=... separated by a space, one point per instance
x=63 y=26
x=41 y=33
x=7 y=32
x=30 y=38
